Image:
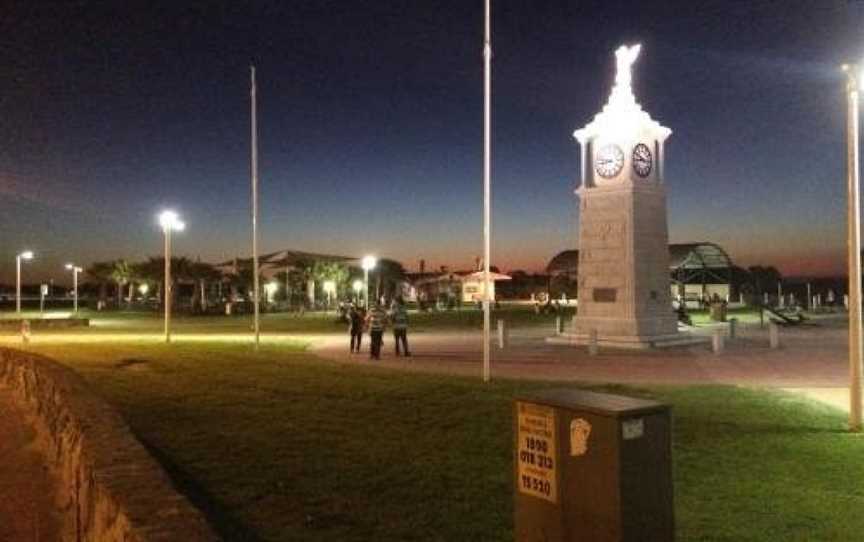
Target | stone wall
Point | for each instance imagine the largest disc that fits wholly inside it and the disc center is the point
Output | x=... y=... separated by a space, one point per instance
x=110 y=488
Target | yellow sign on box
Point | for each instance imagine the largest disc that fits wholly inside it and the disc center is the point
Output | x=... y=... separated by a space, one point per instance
x=536 y=451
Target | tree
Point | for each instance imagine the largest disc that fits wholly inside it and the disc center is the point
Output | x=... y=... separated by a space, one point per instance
x=389 y=275
x=764 y=278
x=122 y=273
x=100 y=273
x=331 y=271
x=201 y=274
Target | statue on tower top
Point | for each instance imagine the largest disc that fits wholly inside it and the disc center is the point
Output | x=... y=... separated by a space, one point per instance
x=625 y=56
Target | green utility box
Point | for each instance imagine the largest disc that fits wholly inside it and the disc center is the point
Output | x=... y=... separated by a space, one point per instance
x=592 y=467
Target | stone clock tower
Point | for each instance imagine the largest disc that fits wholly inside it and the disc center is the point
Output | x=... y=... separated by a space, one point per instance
x=624 y=285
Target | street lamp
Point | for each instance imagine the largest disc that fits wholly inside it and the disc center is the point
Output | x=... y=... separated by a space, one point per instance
x=329 y=289
x=358 y=287
x=270 y=290
x=368 y=263
x=75 y=270
x=170 y=221
x=853 y=241
x=26 y=255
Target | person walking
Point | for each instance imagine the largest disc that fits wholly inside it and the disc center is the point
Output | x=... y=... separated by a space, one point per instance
x=377 y=321
x=399 y=318
x=355 y=327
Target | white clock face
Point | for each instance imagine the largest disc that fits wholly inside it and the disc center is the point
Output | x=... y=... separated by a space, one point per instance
x=609 y=160
x=642 y=160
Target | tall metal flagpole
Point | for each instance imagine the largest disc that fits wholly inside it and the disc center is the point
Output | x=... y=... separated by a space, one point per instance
x=487 y=167
x=256 y=287
x=854 y=248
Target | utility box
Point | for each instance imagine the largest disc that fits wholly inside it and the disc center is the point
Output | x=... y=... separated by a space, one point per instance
x=592 y=467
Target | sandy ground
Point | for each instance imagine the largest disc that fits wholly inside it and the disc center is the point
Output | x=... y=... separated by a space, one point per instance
x=27 y=497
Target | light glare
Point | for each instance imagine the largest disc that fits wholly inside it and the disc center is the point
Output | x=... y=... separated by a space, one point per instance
x=171 y=220
x=369 y=262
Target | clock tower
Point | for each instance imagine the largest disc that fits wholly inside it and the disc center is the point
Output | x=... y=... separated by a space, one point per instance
x=624 y=285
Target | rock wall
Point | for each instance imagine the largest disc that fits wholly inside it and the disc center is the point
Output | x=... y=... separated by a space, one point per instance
x=111 y=489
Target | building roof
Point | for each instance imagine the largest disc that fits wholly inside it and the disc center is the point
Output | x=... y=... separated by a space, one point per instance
x=698 y=256
x=455 y=276
x=289 y=258
x=702 y=255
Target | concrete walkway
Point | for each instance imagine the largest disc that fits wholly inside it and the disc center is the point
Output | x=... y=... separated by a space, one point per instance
x=812 y=359
x=27 y=494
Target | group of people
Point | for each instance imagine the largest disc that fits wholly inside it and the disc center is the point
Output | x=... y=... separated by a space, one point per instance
x=376 y=321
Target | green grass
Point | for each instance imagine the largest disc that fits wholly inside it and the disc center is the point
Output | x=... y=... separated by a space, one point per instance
x=311 y=322
x=280 y=445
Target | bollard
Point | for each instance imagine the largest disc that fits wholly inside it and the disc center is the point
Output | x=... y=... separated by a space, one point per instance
x=25 y=331
x=593 y=347
x=592 y=466
x=559 y=325
x=733 y=327
x=774 y=335
x=502 y=335
x=717 y=341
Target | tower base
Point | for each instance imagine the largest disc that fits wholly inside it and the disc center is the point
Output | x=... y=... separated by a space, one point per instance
x=630 y=342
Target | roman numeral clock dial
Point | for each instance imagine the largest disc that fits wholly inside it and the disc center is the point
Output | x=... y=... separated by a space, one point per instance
x=642 y=160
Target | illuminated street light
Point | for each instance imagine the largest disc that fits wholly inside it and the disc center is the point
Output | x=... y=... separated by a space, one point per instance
x=75 y=270
x=143 y=289
x=329 y=289
x=270 y=290
x=854 y=246
x=170 y=221
x=368 y=263
x=358 y=287
x=26 y=255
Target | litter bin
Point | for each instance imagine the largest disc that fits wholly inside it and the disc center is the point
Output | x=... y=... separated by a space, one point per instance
x=592 y=466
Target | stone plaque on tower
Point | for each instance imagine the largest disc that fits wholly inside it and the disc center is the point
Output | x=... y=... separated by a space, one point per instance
x=624 y=284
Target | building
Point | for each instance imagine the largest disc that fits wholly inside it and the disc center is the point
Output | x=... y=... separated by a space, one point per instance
x=696 y=270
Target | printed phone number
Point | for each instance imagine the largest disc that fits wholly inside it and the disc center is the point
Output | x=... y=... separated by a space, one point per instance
x=536 y=485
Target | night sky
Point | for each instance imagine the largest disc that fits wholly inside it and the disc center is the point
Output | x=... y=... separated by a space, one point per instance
x=370 y=126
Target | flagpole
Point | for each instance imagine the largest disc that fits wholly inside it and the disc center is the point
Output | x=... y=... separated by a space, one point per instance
x=487 y=171
x=255 y=208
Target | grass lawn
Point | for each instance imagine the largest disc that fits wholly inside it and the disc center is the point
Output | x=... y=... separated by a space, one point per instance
x=280 y=445
x=468 y=317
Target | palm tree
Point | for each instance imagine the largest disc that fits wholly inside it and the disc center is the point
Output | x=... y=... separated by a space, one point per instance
x=331 y=271
x=151 y=272
x=100 y=272
x=390 y=275
x=201 y=273
x=121 y=273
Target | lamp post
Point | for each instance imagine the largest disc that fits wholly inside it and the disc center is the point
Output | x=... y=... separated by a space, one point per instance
x=270 y=290
x=487 y=180
x=75 y=270
x=26 y=255
x=368 y=263
x=854 y=246
x=170 y=221
x=358 y=287
x=330 y=289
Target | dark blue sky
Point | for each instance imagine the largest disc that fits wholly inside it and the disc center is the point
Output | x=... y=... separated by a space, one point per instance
x=370 y=118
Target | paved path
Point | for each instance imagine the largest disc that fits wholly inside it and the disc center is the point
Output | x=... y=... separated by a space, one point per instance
x=812 y=359
x=27 y=510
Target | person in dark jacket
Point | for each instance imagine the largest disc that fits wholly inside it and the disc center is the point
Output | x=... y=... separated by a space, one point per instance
x=355 y=327
x=399 y=319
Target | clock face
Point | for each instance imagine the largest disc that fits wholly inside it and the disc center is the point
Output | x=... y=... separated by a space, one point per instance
x=609 y=160
x=642 y=160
